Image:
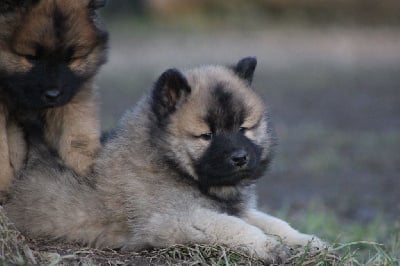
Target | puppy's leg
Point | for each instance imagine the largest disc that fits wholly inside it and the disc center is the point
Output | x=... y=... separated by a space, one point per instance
x=17 y=146
x=6 y=171
x=209 y=227
x=74 y=130
x=274 y=226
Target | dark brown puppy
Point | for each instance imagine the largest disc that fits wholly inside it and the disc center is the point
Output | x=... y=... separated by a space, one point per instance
x=50 y=51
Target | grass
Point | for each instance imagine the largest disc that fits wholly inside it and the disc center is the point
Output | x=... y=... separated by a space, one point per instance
x=374 y=243
x=16 y=250
x=13 y=247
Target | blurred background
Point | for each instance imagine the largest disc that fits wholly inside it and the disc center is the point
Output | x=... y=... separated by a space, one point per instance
x=330 y=74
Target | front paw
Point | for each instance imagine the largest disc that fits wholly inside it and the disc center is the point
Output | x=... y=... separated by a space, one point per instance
x=272 y=251
x=309 y=241
x=314 y=243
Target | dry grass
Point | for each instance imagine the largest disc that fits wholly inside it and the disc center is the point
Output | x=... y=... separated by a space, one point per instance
x=17 y=250
x=13 y=246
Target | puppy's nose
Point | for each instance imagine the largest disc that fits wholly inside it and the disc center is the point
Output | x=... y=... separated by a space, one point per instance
x=52 y=94
x=239 y=158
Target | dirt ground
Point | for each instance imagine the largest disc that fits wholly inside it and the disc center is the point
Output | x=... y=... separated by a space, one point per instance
x=333 y=92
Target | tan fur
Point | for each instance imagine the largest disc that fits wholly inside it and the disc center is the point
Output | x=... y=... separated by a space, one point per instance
x=189 y=121
x=136 y=199
x=78 y=142
x=5 y=164
x=73 y=129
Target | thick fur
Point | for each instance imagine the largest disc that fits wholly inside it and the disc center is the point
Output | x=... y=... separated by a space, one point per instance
x=50 y=51
x=180 y=168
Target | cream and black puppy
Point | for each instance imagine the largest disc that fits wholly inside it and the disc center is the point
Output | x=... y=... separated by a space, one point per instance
x=181 y=168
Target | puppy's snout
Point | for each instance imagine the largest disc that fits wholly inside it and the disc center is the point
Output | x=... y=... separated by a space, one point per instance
x=239 y=158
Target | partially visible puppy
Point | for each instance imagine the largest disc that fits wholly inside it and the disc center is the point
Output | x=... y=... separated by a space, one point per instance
x=50 y=51
x=181 y=168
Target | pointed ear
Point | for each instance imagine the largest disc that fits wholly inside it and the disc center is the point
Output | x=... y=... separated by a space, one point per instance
x=245 y=68
x=96 y=4
x=170 y=90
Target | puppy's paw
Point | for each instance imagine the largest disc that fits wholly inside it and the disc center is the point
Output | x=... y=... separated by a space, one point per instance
x=317 y=244
x=310 y=241
x=272 y=251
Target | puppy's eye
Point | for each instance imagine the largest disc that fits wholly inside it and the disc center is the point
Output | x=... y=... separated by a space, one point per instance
x=67 y=58
x=31 y=57
x=206 y=136
x=73 y=55
x=243 y=130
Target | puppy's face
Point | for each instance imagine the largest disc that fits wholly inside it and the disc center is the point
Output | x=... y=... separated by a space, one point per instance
x=217 y=131
x=49 y=49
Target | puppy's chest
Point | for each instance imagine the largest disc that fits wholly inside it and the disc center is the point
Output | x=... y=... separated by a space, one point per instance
x=232 y=206
x=32 y=122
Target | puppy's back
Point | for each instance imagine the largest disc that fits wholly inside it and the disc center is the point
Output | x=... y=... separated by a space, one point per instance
x=49 y=200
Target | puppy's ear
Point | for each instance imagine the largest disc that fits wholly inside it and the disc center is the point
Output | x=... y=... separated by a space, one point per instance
x=96 y=4
x=170 y=90
x=245 y=68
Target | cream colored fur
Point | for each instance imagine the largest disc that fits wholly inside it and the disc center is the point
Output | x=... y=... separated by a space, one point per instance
x=137 y=199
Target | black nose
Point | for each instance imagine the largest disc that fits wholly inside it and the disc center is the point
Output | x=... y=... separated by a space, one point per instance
x=52 y=95
x=239 y=158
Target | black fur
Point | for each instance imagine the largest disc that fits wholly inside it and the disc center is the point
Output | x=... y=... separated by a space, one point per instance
x=231 y=206
x=215 y=167
x=245 y=68
x=50 y=82
x=225 y=112
x=28 y=90
x=50 y=72
x=169 y=91
x=231 y=158
x=108 y=135
x=11 y=5
x=95 y=4
x=59 y=23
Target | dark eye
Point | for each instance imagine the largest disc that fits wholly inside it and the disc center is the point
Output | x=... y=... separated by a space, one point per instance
x=31 y=57
x=242 y=130
x=67 y=58
x=206 y=136
x=69 y=55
